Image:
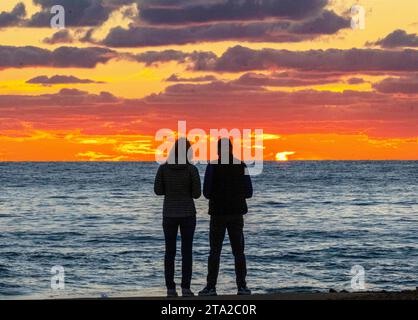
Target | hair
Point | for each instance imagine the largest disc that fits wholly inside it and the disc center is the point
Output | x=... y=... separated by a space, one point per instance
x=179 y=153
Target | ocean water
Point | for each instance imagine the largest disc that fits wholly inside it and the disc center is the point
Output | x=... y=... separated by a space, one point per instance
x=309 y=224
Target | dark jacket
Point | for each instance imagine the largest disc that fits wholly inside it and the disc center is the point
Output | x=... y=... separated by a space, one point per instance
x=227 y=187
x=180 y=184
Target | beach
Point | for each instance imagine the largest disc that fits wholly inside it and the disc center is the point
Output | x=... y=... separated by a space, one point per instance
x=378 y=295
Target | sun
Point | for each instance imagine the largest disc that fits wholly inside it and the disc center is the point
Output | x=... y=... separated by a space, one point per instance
x=283 y=156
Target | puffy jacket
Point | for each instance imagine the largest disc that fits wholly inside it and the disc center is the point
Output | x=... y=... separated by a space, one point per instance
x=227 y=187
x=179 y=184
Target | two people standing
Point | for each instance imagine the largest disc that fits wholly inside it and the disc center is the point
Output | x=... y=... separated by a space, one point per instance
x=227 y=186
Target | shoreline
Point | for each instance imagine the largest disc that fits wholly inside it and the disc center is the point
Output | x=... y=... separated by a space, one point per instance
x=279 y=296
x=378 y=295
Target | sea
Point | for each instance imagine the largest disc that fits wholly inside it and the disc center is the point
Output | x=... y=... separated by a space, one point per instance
x=74 y=230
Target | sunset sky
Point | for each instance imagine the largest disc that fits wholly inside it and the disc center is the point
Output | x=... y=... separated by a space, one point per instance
x=99 y=89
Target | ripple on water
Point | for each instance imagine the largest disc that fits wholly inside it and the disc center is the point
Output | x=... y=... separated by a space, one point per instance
x=308 y=224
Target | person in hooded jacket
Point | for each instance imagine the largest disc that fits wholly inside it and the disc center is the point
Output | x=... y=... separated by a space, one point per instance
x=179 y=182
x=227 y=185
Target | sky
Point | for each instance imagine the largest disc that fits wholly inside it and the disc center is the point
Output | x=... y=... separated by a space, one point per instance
x=100 y=88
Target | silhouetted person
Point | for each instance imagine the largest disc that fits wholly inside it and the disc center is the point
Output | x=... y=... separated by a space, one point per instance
x=179 y=181
x=227 y=186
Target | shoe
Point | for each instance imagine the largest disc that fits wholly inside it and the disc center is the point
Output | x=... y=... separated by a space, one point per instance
x=243 y=291
x=208 y=292
x=172 y=293
x=187 y=293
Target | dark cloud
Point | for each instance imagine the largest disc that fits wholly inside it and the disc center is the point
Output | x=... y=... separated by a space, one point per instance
x=118 y=3
x=144 y=36
x=284 y=79
x=62 y=36
x=81 y=57
x=355 y=80
x=65 y=97
x=14 y=17
x=192 y=11
x=259 y=31
x=238 y=59
x=151 y=57
x=212 y=93
x=176 y=78
x=404 y=85
x=199 y=59
x=87 y=36
x=398 y=38
x=63 y=57
x=179 y=22
x=77 y=13
x=59 y=79
x=326 y=23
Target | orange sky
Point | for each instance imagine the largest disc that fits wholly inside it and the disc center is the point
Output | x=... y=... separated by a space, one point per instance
x=310 y=109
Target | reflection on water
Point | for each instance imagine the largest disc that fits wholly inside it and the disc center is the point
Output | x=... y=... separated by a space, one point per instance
x=309 y=223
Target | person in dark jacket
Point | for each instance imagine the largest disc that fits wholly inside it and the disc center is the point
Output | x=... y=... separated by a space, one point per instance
x=227 y=185
x=179 y=182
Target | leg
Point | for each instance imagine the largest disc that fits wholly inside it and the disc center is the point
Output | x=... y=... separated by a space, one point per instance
x=216 y=238
x=187 y=229
x=170 y=226
x=236 y=237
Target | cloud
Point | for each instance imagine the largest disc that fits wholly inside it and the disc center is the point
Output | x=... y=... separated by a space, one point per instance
x=192 y=11
x=65 y=97
x=216 y=104
x=199 y=59
x=259 y=31
x=13 y=18
x=62 y=36
x=230 y=94
x=355 y=80
x=181 y=22
x=239 y=59
x=59 y=79
x=285 y=79
x=398 y=38
x=87 y=36
x=144 y=36
x=326 y=23
x=63 y=57
x=235 y=59
x=221 y=103
x=176 y=78
x=405 y=85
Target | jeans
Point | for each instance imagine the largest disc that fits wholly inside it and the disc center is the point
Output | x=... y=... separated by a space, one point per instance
x=187 y=227
x=234 y=224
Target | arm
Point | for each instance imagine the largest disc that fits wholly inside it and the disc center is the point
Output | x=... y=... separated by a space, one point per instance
x=196 y=186
x=159 y=183
x=247 y=183
x=207 y=185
